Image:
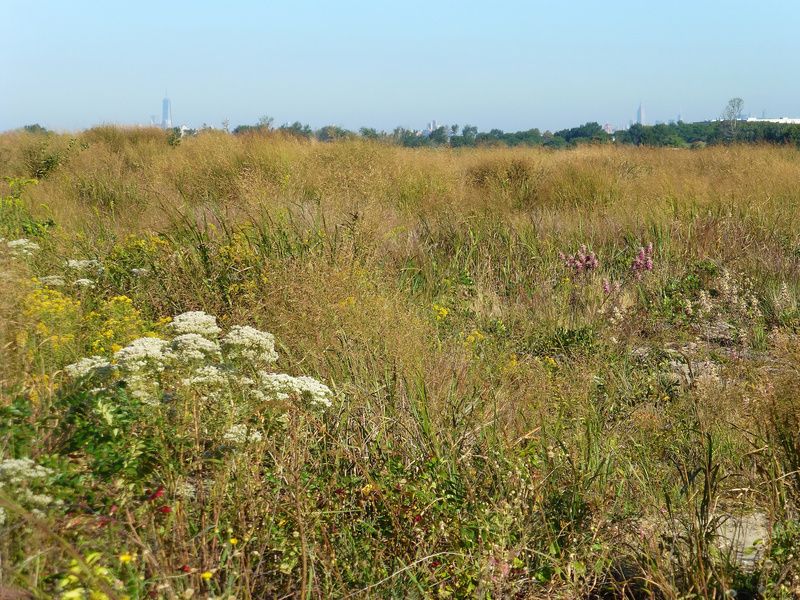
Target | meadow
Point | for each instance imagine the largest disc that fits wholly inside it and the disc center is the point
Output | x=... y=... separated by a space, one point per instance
x=255 y=366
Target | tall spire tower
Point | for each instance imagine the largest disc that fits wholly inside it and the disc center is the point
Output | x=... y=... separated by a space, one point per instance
x=640 y=118
x=166 y=113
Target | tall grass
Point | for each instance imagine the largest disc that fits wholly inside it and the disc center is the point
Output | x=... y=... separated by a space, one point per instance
x=504 y=426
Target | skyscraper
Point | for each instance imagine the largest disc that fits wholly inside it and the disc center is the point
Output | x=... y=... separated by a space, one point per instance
x=640 y=119
x=166 y=113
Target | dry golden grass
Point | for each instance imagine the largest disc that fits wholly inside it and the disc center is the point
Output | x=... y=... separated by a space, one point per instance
x=504 y=426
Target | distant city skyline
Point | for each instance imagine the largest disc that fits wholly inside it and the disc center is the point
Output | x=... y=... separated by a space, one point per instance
x=514 y=66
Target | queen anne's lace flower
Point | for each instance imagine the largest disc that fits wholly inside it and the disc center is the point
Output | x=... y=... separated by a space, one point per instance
x=185 y=490
x=281 y=386
x=142 y=353
x=22 y=246
x=83 y=282
x=53 y=280
x=220 y=370
x=250 y=343
x=239 y=434
x=88 y=366
x=17 y=477
x=195 y=322
x=18 y=471
x=190 y=347
x=208 y=375
x=82 y=265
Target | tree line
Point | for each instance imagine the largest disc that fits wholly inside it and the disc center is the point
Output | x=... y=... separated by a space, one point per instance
x=676 y=135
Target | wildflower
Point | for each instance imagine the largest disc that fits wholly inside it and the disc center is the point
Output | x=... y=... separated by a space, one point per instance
x=22 y=247
x=194 y=347
x=239 y=435
x=704 y=304
x=474 y=338
x=195 y=322
x=369 y=489
x=18 y=471
x=233 y=541
x=53 y=280
x=144 y=352
x=83 y=265
x=440 y=312
x=581 y=262
x=784 y=299
x=206 y=575
x=643 y=261
x=88 y=366
x=126 y=557
x=83 y=282
x=185 y=569
x=164 y=510
x=281 y=386
x=251 y=344
x=185 y=490
x=140 y=272
x=208 y=375
x=157 y=494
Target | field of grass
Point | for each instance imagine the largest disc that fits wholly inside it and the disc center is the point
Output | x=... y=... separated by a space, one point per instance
x=511 y=373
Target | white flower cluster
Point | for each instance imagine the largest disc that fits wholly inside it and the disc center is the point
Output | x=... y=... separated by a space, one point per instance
x=192 y=360
x=53 y=280
x=92 y=365
x=185 y=490
x=84 y=282
x=251 y=344
x=22 y=247
x=281 y=387
x=141 y=362
x=144 y=353
x=85 y=265
x=17 y=477
x=21 y=471
x=190 y=347
x=240 y=435
x=195 y=322
x=207 y=375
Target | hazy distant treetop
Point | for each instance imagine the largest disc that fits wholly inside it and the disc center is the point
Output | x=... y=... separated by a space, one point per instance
x=35 y=128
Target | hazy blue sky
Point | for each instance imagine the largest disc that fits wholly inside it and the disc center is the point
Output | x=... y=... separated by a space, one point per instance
x=70 y=64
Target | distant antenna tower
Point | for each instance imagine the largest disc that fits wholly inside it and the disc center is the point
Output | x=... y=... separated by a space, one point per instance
x=166 y=113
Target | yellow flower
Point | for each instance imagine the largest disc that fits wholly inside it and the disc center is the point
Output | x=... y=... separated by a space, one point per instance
x=233 y=541
x=369 y=490
x=126 y=557
x=206 y=575
x=474 y=338
x=440 y=312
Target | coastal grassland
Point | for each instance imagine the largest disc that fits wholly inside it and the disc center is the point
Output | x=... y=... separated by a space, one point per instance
x=553 y=374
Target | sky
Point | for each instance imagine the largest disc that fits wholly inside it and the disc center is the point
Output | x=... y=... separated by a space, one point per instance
x=512 y=65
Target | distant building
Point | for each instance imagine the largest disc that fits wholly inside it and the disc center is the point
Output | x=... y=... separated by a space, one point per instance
x=166 y=113
x=640 y=118
x=782 y=120
x=608 y=128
